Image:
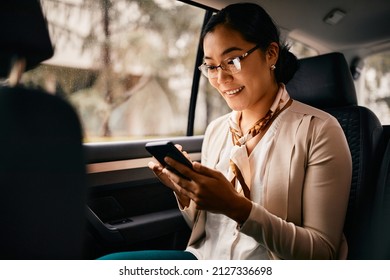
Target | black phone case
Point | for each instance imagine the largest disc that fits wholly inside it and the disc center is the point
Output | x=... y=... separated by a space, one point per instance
x=163 y=149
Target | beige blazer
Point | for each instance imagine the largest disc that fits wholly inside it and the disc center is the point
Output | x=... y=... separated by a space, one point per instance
x=306 y=187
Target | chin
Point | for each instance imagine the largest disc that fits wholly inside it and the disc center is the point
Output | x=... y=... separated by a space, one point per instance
x=236 y=107
x=236 y=103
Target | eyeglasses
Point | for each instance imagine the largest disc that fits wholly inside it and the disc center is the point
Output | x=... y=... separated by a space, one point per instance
x=230 y=65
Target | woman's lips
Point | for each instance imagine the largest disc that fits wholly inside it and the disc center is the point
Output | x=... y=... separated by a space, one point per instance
x=233 y=91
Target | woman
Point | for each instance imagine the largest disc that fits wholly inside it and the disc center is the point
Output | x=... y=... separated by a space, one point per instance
x=265 y=188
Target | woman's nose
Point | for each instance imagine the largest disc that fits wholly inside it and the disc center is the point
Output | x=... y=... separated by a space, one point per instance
x=223 y=76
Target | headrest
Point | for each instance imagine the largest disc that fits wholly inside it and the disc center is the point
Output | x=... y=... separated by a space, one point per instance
x=323 y=81
x=24 y=33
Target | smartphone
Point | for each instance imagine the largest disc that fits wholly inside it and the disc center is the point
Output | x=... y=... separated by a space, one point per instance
x=162 y=149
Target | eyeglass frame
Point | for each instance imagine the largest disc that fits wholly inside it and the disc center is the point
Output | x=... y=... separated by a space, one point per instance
x=204 y=68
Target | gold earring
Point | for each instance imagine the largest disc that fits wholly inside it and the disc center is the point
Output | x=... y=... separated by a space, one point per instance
x=273 y=67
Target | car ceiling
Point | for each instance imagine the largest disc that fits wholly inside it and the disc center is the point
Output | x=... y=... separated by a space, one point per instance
x=365 y=28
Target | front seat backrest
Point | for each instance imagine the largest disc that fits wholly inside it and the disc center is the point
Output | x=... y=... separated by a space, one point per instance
x=325 y=82
x=42 y=177
x=23 y=34
x=42 y=168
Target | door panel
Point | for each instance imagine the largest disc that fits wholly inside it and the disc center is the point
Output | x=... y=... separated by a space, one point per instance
x=128 y=208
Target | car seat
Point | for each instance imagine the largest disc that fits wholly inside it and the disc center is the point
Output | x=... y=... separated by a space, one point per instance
x=381 y=214
x=42 y=168
x=325 y=82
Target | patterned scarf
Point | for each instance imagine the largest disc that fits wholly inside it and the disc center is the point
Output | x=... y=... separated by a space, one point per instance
x=282 y=102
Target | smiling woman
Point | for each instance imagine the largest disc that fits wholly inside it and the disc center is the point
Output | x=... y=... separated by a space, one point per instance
x=266 y=167
x=266 y=176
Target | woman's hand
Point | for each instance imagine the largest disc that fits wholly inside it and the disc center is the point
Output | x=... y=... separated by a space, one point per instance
x=210 y=190
x=157 y=168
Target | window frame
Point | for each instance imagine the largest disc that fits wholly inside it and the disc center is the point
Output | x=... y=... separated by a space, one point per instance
x=196 y=77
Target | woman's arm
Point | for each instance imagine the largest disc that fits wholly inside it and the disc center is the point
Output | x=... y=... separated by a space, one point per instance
x=324 y=202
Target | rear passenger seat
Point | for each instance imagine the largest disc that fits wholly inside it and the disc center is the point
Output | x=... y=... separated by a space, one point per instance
x=325 y=82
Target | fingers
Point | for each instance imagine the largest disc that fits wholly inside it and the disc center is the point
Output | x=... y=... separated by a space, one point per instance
x=174 y=177
x=178 y=184
x=181 y=168
x=180 y=147
x=152 y=165
x=182 y=186
x=205 y=171
x=155 y=167
x=198 y=172
x=187 y=155
x=158 y=171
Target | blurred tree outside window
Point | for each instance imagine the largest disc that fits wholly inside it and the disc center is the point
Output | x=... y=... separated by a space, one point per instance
x=125 y=65
x=300 y=49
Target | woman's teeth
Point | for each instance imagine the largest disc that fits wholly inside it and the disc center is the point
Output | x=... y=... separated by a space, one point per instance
x=231 y=92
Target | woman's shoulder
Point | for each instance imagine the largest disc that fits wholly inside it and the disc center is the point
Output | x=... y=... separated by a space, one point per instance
x=300 y=108
x=320 y=120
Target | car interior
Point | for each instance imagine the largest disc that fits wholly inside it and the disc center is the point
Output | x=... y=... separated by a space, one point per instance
x=64 y=198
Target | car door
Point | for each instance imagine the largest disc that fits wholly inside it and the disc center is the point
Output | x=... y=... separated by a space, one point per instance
x=128 y=208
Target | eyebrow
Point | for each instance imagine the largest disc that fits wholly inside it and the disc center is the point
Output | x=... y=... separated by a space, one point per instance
x=228 y=50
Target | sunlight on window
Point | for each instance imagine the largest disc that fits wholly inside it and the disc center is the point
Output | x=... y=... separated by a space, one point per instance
x=301 y=50
x=126 y=66
x=374 y=86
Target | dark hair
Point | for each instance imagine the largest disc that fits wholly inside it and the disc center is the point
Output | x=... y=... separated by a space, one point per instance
x=256 y=26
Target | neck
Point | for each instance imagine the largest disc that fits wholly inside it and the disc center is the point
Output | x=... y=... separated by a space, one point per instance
x=251 y=115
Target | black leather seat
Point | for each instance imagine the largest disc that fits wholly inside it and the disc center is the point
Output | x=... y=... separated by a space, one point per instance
x=325 y=82
x=42 y=177
x=381 y=214
x=42 y=169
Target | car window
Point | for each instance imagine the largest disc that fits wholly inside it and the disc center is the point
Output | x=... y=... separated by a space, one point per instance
x=300 y=49
x=126 y=65
x=373 y=86
x=127 y=73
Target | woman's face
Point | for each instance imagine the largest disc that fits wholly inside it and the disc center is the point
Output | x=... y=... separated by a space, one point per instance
x=254 y=87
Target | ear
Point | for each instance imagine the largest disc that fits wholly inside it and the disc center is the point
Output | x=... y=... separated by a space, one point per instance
x=272 y=53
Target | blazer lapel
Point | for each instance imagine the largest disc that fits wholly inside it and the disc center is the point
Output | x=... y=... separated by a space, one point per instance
x=282 y=193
